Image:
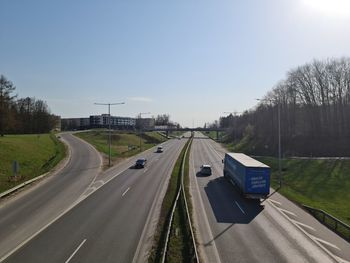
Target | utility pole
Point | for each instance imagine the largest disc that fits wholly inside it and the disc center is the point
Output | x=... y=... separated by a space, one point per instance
x=140 y=114
x=279 y=138
x=109 y=127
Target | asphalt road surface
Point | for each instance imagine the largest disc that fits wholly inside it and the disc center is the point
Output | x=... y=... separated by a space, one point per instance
x=233 y=229
x=112 y=220
x=29 y=210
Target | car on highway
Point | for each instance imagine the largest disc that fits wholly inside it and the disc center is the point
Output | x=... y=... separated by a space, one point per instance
x=159 y=149
x=205 y=169
x=141 y=163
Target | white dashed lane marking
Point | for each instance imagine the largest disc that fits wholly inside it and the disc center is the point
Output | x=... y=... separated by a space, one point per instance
x=240 y=208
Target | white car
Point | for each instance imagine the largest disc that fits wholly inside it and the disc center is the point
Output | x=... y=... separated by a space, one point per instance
x=159 y=149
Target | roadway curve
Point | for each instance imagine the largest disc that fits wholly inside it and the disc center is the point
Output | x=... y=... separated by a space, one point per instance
x=25 y=213
x=113 y=221
x=233 y=229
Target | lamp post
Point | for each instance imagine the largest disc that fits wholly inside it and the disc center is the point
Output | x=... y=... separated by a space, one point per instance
x=109 y=126
x=279 y=138
x=140 y=114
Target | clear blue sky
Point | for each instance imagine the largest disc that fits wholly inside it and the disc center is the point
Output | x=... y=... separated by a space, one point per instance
x=191 y=59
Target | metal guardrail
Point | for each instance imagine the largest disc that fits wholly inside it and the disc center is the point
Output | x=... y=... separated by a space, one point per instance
x=186 y=205
x=330 y=221
x=180 y=191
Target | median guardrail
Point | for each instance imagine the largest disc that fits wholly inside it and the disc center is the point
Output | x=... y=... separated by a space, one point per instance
x=330 y=221
x=181 y=193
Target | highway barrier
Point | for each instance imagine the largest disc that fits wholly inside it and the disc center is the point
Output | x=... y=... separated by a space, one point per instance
x=330 y=221
x=174 y=239
x=181 y=204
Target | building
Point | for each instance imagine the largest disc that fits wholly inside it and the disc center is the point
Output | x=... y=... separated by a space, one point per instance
x=102 y=121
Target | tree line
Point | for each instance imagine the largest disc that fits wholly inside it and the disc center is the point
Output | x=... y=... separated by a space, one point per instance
x=314 y=105
x=22 y=115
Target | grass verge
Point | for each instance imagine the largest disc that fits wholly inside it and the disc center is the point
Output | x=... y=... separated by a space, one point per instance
x=213 y=135
x=36 y=154
x=165 y=213
x=124 y=144
x=322 y=184
x=180 y=241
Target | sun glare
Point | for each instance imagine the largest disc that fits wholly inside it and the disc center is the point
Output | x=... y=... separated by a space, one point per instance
x=330 y=7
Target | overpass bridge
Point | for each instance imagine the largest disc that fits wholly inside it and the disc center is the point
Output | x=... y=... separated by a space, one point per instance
x=169 y=130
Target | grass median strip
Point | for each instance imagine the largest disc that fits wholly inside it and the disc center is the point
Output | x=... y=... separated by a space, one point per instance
x=179 y=247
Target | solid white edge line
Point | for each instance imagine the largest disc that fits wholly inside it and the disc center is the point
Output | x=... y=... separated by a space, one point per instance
x=75 y=251
x=240 y=208
x=126 y=191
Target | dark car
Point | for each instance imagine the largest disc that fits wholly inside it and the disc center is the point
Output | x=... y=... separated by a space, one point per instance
x=205 y=169
x=140 y=163
x=159 y=149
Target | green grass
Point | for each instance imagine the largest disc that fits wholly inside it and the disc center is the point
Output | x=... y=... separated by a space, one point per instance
x=180 y=242
x=322 y=184
x=168 y=201
x=36 y=154
x=213 y=134
x=124 y=144
x=176 y=133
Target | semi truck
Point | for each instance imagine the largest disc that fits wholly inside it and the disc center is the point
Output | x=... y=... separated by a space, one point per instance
x=250 y=176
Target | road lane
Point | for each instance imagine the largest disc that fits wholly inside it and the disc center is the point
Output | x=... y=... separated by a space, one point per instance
x=260 y=233
x=111 y=223
x=22 y=215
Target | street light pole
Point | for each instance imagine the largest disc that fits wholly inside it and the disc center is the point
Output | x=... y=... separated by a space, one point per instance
x=140 y=114
x=279 y=144
x=279 y=139
x=109 y=127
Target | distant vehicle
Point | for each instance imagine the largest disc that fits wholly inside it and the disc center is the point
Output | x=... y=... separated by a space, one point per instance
x=249 y=175
x=140 y=163
x=205 y=169
x=159 y=149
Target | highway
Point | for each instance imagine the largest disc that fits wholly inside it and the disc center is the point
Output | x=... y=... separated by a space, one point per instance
x=30 y=209
x=233 y=229
x=112 y=221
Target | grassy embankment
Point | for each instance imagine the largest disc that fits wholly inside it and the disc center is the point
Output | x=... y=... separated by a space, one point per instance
x=124 y=144
x=36 y=154
x=213 y=135
x=322 y=184
x=180 y=247
x=176 y=133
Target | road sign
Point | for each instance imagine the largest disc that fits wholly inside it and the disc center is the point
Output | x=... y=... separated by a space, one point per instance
x=15 y=167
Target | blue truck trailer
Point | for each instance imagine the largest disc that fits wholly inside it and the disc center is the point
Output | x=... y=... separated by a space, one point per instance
x=249 y=175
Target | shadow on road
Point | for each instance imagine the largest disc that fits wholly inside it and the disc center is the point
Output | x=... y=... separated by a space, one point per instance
x=199 y=174
x=228 y=205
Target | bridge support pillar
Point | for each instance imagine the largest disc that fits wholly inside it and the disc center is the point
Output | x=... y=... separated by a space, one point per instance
x=167 y=133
